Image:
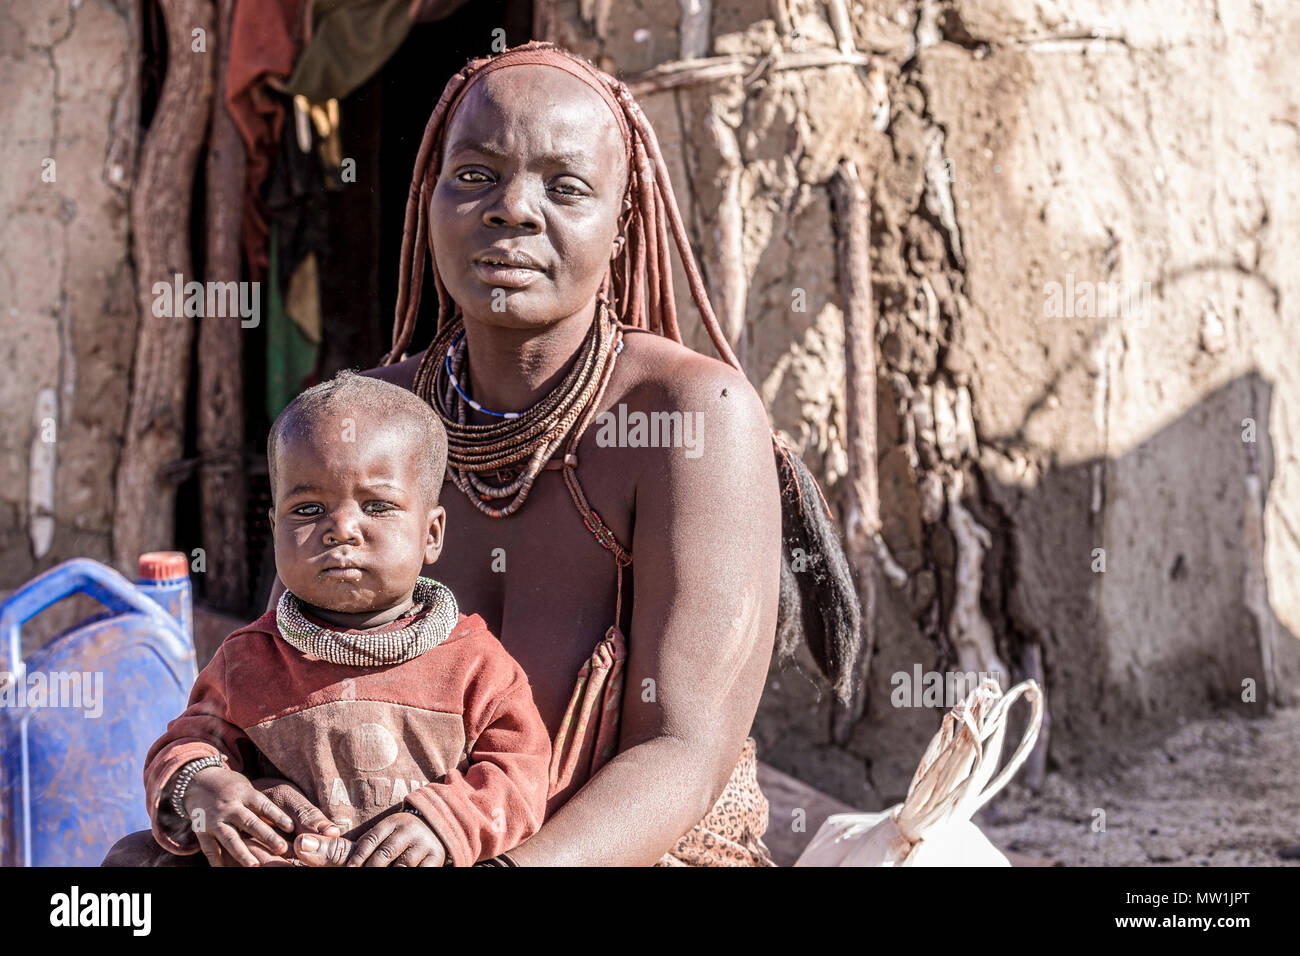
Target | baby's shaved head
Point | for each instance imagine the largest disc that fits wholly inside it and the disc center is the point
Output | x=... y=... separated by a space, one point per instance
x=378 y=401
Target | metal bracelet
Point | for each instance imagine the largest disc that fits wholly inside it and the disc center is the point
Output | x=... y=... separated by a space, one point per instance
x=186 y=776
x=407 y=808
x=416 y=813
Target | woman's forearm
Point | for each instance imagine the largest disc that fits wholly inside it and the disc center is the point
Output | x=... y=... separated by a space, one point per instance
x=630 y=813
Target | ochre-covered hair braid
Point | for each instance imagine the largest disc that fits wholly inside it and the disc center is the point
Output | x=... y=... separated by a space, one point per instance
x=820 y=599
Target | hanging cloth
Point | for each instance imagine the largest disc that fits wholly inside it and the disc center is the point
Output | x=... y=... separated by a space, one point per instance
x=350 y=40
x=290 y=352
x=265 y=37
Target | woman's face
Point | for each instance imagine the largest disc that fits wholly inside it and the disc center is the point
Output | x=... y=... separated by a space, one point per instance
x=533 y=166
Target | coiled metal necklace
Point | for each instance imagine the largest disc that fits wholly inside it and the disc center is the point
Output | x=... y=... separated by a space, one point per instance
x=515 y=449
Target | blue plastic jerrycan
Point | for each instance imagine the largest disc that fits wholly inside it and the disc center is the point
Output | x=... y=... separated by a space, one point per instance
x=78 y=716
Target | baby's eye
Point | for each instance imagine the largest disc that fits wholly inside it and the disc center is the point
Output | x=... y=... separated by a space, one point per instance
x=308 y=511
x=379 y=506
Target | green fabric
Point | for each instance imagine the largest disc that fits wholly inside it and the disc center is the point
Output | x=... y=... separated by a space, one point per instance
x=350 y=41
x=290 y=355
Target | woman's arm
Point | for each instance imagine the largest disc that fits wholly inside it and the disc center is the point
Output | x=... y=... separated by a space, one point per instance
x=706 y=548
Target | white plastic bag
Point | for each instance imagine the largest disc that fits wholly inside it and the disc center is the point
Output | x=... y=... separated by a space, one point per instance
x=932 y=826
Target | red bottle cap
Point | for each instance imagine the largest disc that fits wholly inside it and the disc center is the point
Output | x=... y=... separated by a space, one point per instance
x=163 y=565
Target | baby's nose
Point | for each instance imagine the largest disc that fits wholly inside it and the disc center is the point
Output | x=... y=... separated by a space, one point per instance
x=344 y=527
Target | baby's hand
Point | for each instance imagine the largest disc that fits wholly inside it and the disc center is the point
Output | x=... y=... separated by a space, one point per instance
x=399 y=839
x=223 y=807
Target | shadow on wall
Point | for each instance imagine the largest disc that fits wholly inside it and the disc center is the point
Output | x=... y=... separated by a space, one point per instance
x=1140 y=578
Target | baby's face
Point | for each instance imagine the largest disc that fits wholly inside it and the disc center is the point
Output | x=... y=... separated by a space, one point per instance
x=352 y=527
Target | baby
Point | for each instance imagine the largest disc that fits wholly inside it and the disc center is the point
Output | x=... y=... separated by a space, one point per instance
x=401 y=718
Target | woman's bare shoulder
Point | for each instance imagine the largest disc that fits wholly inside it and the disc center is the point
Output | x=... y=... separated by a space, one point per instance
x=399 y=373
x=666 y=374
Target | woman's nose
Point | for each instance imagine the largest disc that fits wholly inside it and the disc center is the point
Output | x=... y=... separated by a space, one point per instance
x=513 y=205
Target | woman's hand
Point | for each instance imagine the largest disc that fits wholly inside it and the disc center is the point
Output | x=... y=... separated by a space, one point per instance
x=307 y=817
x=399 y=839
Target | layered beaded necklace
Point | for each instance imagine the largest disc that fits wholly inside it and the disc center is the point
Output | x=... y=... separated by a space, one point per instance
x=501 y=460
x=377 y=648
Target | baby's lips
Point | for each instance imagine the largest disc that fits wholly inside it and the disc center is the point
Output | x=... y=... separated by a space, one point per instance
x=350 y=571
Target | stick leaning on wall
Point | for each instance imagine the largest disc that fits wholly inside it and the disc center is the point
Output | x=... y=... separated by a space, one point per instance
x=221 y=381
x=862 y=497
x=144 y=500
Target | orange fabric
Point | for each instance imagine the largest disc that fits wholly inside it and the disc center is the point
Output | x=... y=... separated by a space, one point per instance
x=453 y=733
x=590 y=723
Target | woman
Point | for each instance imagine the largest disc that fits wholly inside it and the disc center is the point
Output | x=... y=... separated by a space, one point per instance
x=545 y=204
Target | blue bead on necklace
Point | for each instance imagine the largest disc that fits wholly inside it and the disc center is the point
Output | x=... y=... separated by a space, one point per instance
x=456 y=385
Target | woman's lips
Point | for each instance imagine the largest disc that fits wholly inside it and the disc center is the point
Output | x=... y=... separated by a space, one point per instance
x=513 y=277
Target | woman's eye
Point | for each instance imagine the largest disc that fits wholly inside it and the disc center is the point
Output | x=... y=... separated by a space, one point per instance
x=565 y=189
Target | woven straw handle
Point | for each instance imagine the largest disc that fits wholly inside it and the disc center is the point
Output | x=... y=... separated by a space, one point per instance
x=1033 y=693
x=950 y=782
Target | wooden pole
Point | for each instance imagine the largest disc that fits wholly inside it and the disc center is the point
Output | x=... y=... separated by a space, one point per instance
x=220 y=404
x=143 y=513
x=862 y=495
x=728 y=284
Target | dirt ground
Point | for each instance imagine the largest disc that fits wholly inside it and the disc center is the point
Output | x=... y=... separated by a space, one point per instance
x=1218 y=792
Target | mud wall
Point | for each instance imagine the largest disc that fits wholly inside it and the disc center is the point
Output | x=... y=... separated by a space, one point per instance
x=1087 y=340
x=67 y=325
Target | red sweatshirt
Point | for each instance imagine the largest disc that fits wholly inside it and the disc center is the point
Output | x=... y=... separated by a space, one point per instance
x=453 y=733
